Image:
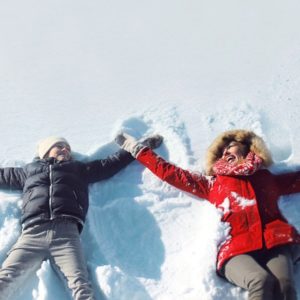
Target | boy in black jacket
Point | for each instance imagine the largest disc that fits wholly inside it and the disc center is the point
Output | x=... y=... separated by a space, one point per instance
x=55 y=204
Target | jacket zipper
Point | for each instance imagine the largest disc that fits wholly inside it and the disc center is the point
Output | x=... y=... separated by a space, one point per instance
x=50 y=193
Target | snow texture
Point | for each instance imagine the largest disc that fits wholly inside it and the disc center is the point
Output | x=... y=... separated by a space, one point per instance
x=187 y=70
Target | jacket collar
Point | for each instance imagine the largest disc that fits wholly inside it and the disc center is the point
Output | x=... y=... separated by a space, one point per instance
x=50 y=160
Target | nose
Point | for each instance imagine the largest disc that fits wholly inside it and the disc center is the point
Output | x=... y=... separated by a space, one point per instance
x=65 y=149
x=225 y=151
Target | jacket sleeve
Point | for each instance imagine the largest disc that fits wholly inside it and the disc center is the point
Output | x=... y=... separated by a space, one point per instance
x=288 y=183
x=104 y=168
x=182 y=179
x=12 y=178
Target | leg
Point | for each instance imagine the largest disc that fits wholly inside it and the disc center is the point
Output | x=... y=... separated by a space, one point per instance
x=68 y=258
x=24 y=259
x=244 y=271
x=280 y=264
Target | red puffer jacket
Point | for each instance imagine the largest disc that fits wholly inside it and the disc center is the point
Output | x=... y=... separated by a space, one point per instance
x=249 y=203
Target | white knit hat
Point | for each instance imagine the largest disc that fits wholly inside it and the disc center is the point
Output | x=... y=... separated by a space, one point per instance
x=46 y=144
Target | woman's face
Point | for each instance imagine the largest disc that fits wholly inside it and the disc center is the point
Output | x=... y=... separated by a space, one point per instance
x=234 y=152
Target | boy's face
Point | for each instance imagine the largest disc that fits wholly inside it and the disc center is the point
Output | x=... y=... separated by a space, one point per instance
x=60 y=151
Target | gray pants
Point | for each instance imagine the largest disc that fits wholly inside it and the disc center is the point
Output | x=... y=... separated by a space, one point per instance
x=266 y=274
x=56 y=240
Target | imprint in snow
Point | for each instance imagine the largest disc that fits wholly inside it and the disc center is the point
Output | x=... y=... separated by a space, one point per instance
x=241 y=201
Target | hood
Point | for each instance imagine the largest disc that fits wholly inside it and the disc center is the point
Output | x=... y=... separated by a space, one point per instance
x=255 y=143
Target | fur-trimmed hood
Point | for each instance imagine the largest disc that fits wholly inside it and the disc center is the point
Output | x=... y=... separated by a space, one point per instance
x=255 y=143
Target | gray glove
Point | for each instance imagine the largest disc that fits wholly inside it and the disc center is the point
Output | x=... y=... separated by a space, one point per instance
x=152 y=141
x=134 y=146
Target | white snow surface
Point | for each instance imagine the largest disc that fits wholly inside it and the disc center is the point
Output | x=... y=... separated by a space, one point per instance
x=185 y=69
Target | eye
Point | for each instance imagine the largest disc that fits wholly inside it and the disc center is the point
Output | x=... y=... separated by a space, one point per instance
x=229 y=146
x=61 y=146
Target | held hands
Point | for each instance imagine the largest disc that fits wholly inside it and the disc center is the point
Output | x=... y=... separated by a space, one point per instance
x=152 y=141
x=134 y=146
x=126 y=142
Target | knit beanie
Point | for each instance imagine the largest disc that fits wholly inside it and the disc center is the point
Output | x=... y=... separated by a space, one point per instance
x=46 y=144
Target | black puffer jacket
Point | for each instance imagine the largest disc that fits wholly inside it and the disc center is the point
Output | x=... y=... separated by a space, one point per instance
x=54 y=188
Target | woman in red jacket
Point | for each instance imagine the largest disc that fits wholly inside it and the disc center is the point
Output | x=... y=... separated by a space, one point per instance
x=257 y=254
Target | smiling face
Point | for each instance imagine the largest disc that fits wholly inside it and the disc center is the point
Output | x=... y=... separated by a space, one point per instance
x=60 y=151
x=234 y=152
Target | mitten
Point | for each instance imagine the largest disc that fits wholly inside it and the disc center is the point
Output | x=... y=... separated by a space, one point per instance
x=134 y=146
x=129 y=143
x=152 y=141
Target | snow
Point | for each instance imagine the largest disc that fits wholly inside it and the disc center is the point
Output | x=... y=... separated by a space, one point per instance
x=185 y=69
x=241 y=201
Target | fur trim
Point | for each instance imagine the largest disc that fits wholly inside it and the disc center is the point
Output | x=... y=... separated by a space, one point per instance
x=255 y=143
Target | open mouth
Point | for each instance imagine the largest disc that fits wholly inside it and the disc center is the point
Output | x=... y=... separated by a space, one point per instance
x=230 y=158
